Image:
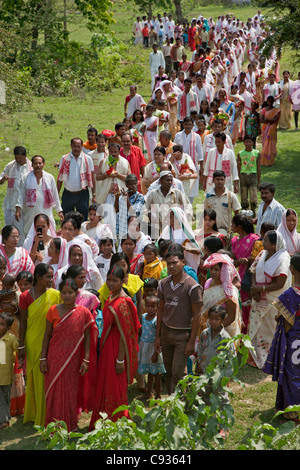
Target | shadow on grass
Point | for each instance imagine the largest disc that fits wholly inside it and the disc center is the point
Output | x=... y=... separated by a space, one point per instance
x=19 y=436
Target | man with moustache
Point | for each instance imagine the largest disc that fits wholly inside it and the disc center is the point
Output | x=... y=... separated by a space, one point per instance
x=269 y=209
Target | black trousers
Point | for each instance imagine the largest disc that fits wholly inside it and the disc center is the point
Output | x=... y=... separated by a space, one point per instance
x=78 y=201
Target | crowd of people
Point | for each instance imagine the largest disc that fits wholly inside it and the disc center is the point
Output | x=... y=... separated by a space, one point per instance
x=131 y=280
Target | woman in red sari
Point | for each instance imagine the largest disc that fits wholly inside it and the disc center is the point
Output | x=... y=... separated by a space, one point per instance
x=192 y=35
x=118 y=359
x=65 y=355
x=241 y=247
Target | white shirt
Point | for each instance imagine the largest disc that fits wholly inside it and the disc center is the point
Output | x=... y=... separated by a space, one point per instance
x=273 y=214
x=188 y=110
x=73 y=182
x=233 y=166
x=156 y=59
x=185 y=140
x=10 y=200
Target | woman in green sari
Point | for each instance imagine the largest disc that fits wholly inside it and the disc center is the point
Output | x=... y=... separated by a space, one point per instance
x=34 y=305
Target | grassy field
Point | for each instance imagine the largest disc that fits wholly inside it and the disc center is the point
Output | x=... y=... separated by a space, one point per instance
x=72 y=116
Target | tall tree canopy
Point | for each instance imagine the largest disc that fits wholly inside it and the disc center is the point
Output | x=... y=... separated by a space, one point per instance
x=283 y=18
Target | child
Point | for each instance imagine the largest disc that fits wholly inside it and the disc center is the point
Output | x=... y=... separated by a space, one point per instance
x=209 y=342
x=8 y=293
x=161 y=34
x=102 y=261
x=248 y=163
x=252 y=123
x=24 y=280
x=153 y=266
x=145 y=33
x=150 y=362
x=282 y=362
x=150 y=286
x=8 y=348
x=201 y=129
x=210 y=337
x=152 y=36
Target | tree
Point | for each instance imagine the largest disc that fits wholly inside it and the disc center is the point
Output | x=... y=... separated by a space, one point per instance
x=147 y=7
x=31 y=18
x=283 y=20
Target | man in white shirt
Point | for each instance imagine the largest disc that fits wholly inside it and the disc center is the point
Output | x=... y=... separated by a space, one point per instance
x=209 y=139
x=137 y=31
x=169 y=28
x=166 y=50
x=13 y=173
x=37 y=195
x=200 y=89
x=269 y=209
x=78 y=176
x=156 y=59
x=222 y=201
x=221 y=158
x=192 y=145
x=161 y=200
x=187 y=101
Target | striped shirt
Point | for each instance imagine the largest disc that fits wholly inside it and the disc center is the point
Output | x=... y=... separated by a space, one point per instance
x=272 y=214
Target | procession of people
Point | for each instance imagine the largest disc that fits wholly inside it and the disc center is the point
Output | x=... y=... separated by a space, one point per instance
x=151 y=246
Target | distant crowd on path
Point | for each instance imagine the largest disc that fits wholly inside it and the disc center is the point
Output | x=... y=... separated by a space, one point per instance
x=138 y=282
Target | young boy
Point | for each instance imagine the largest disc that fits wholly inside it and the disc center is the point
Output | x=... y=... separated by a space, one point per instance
x=211 y=337
x=209 y=343
x=8 y=348
x=248 y=163
x=102 y=261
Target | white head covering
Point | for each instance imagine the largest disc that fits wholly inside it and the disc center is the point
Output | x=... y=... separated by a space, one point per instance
x=93 y=275
x=63 y=257
x=165 y=173
x=277 y=264
x=292 y=239
x=32 y=233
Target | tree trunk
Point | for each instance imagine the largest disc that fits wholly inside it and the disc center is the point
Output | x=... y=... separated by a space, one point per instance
x=65 y=18
x=179 y=15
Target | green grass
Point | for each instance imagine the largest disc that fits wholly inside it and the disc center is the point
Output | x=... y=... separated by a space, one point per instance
x=72 y=117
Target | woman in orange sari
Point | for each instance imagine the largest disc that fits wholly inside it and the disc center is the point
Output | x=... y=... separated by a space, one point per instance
x=70 y=334
x=269 y=118
x=118 y=360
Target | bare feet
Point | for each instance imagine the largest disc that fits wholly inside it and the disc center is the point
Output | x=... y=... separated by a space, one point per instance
x=4 y=425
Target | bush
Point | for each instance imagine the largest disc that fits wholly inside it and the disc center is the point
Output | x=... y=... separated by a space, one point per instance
x=189 y=419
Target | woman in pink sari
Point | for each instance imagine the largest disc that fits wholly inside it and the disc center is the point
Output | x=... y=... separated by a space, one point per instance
x=241 y=247
x=269 y=118
x=66 y=355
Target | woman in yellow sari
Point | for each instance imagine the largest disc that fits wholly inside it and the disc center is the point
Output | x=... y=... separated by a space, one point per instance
x=269 y=118
x=34 y=305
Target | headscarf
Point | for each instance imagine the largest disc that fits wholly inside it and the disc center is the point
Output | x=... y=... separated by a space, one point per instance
x=292 y=239
x=88 y=262
x=228 y=271
x=269 y=268
x=183 y=233
x=51 y=232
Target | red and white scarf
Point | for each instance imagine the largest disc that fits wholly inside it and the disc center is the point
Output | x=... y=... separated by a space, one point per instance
x=21 y=261
x=226 y=165
x=14 y=174
x=31 y=190
x=85 y=172
x=183 y=105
